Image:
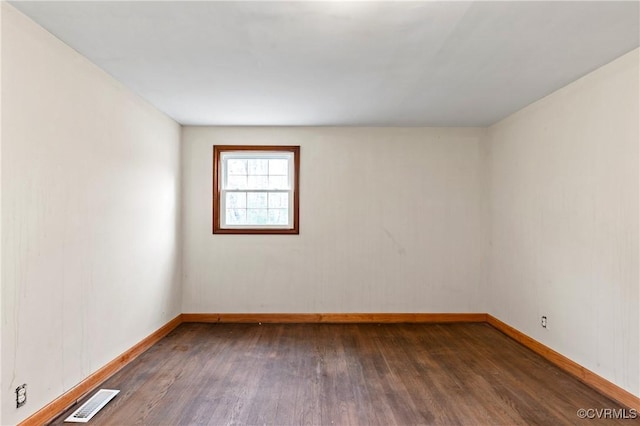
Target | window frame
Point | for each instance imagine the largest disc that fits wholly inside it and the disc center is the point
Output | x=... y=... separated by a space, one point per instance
x=218 y=179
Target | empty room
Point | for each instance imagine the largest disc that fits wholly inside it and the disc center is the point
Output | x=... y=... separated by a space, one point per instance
x=320 y=212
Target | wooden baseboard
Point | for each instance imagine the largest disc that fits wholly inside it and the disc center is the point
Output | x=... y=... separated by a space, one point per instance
x=268 y=318
x=586 y=376
x=62 y=403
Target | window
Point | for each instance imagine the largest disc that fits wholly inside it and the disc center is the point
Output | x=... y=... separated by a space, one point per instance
x=255 y=189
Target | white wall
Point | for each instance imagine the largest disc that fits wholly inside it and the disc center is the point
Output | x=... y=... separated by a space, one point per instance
x=564 y=228
x=391 y=220
x=90 y=217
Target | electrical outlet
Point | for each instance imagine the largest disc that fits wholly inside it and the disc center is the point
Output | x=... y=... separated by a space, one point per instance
x=21 y=395
x=543 y=322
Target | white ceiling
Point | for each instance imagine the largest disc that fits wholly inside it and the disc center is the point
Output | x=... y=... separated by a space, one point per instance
x=343 y=63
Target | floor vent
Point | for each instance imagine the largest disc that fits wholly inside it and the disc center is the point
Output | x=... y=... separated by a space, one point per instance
x=92 y=406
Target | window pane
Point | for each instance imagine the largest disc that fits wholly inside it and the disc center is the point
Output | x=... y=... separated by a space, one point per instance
x=278 y=216
x=257 y=200
x=236 y=200
x=236 y=167
x=236 y=182
x=258 y=182
x=258 y=167
x=236 y=216
x=278 y=182
x=257 y=216
x=279 y=167
x=278 y=200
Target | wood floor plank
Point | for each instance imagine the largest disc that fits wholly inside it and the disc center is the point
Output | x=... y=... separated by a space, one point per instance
x=345 y=374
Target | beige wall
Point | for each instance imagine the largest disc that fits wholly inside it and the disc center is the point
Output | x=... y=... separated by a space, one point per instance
x=564 y=221
x=90 y=217
x=392 y=220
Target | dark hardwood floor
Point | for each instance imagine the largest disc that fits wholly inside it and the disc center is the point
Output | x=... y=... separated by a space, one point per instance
x=339 y=374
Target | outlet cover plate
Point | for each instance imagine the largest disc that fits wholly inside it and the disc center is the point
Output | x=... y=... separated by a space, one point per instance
x=21 y=395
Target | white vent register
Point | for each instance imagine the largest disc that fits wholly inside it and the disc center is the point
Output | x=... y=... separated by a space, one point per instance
x=92 y=406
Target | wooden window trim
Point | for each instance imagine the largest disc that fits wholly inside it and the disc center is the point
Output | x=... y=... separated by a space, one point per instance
x=217 y=180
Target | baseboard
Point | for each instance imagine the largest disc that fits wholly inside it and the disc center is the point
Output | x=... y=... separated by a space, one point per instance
x=583 y=374
x=62 y=403
x=267 y=318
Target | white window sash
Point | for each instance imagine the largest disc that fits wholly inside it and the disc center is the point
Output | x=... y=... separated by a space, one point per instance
x=260 y=155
